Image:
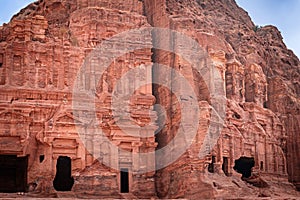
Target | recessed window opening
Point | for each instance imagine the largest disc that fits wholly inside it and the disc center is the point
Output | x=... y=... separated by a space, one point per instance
x=42 y=157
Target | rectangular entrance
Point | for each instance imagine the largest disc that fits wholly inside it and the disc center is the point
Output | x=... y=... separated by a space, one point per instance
x=13 y=173
x=124 y=180
x=225 y=166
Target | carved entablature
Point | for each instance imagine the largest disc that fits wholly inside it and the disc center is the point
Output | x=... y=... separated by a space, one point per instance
x=65 y=147
x=13 y=123
x=14 y=132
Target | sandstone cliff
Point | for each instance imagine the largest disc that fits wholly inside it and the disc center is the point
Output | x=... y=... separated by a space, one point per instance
x=43 y=49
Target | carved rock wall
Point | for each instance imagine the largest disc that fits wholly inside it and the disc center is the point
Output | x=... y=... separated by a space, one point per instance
x=42 y=50
x=44 y=46
x=253 y=127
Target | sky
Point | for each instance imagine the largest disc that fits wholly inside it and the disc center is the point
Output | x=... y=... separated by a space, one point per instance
x=10 y=7
x=282 y=13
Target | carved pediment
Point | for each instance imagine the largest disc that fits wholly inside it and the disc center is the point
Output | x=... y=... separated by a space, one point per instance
x=67 y=118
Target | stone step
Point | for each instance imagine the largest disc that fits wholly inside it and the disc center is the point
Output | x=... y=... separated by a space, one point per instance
x=68 y=194
x=128 y=196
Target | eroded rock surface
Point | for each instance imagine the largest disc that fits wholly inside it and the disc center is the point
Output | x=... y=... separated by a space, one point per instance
x=44 y=47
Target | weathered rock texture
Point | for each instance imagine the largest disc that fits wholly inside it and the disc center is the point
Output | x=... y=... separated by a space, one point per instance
x=43 y=48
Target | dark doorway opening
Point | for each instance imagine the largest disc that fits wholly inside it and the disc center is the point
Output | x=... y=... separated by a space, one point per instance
x=1 y=59
x=211 y=166
x=124 y=180
x=13 y=173
x=225 y=166
x=244 y=165
x=63 y=180
x=261 y=165
x=42 y=157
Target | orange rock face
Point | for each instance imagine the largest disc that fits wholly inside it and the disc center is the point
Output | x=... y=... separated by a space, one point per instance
x=147 y=99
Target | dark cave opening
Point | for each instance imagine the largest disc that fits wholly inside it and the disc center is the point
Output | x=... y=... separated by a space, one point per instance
x=13 y=173
x=243 y=165
x=63 y=180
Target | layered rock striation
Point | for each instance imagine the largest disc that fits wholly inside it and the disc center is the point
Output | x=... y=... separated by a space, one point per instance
x=54 y=100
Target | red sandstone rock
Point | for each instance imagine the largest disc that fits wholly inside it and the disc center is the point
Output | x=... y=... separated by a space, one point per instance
x=42 y=50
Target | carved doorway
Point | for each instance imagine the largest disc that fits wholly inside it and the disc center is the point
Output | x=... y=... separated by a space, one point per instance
x=13 y=173
x=211 y=166
x=124 y=180
x=244 y=165
x=225 y=166
x=63 y=180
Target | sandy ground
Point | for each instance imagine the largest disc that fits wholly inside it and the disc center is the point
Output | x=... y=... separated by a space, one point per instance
x=224 y=188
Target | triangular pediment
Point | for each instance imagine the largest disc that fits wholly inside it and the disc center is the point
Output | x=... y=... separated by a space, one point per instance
x=67 y=118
